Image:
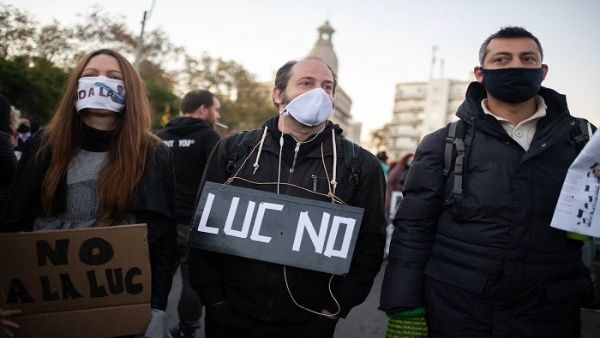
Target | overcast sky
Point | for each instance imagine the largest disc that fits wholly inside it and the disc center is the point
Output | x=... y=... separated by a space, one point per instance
x=378 y=43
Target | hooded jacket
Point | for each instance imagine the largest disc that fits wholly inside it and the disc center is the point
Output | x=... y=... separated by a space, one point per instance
x=494 y=240
x=258 y=288
x=191 y=140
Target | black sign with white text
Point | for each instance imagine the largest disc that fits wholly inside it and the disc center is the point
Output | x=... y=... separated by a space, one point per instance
x=276 y=228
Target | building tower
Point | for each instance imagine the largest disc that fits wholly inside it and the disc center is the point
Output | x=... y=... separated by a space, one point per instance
x=323 y=50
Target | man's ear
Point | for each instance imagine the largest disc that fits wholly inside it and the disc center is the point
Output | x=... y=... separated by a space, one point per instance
x=478 y=74
x=202 y=111
x=276 y=95
x=545 y=70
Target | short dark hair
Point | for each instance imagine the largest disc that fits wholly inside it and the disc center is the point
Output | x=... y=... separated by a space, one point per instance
x=194 y=99
x=284 y=72
x=382 y=155
x=509 y=32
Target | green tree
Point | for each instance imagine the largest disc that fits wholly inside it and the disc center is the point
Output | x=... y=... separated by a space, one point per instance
x=16 y=31
x=245 y=103
x=34 y=86
x=380 y=137
x=55 y=44
x=159 y=84
x=35 y=61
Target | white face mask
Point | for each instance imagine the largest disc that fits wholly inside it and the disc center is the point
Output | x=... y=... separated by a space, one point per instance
x=100 y=92
x=311 y=108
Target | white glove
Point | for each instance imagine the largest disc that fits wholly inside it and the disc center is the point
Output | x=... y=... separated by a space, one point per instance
x=156 y=328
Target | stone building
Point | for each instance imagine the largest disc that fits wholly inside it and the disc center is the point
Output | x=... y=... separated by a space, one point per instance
x=323 y=50
x=419 y=109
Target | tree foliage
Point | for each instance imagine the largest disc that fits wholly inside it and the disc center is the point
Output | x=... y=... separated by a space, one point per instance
x=245 y=103
x=380 y=137
x=33 y=85
x=35 y=61
x=158 y=83
x=16 y=32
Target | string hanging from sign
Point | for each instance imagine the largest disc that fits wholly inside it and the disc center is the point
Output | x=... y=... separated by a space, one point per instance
x=339 y=308
x=331 y=186
x=330 y=182
x=330 y=194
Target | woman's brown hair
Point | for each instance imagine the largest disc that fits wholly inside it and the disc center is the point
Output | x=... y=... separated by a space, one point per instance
x=126 y=159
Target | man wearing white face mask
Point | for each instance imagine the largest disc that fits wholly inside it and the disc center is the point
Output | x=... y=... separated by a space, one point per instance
x=299 y=153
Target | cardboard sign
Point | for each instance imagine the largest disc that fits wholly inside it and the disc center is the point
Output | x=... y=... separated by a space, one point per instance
x=77 y=283
x=281 y=229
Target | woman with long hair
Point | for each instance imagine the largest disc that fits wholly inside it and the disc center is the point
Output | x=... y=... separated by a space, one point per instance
x=98 y=164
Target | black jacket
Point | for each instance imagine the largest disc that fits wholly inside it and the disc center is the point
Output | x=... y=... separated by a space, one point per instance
x=191 y=141
x=152 y=205
x=257 y=288
x=8 y=166
x=494 y=239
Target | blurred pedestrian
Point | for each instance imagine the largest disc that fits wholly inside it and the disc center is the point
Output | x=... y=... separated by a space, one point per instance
x=395 y=180
x=383 y=158
x=191 y=138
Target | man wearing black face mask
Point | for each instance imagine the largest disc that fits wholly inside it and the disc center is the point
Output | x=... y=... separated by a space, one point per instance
x=473 y=253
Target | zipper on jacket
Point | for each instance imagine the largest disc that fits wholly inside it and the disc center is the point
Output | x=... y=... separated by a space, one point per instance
x=314 y=179
x=295 y=157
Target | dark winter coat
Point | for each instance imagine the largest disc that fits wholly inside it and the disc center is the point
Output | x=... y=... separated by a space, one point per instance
x=191 y=140
x=8 y=166
x=152 y=205
x=257 y=288
x=494 y=240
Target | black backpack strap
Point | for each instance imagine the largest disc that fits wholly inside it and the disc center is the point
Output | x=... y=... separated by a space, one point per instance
x=449 y=147
x=454 y=151
x=584 y=131
x=236 y=151
x=352 y=154
x=581 y=133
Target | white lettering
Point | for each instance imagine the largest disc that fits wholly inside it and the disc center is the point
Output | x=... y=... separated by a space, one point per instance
x=169 y=143
x=262 y=207
x=343 y=251
x=205 y=212
x=186 y=143
x=304 y=223
x=242 y=233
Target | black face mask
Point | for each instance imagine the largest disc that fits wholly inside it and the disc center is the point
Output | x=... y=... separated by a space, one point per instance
x=513 y=85
x=23 y=129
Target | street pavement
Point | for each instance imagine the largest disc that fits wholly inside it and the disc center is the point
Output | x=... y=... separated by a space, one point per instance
x=365 y=321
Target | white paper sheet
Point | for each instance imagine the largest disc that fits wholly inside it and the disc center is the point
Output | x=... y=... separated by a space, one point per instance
x=579 y=195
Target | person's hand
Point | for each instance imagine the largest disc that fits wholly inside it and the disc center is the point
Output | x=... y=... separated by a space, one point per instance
x=8 y=327
x=597 y=173
x=156 y=328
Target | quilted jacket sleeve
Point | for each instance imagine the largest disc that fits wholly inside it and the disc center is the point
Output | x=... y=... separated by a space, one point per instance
x=415 y=226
